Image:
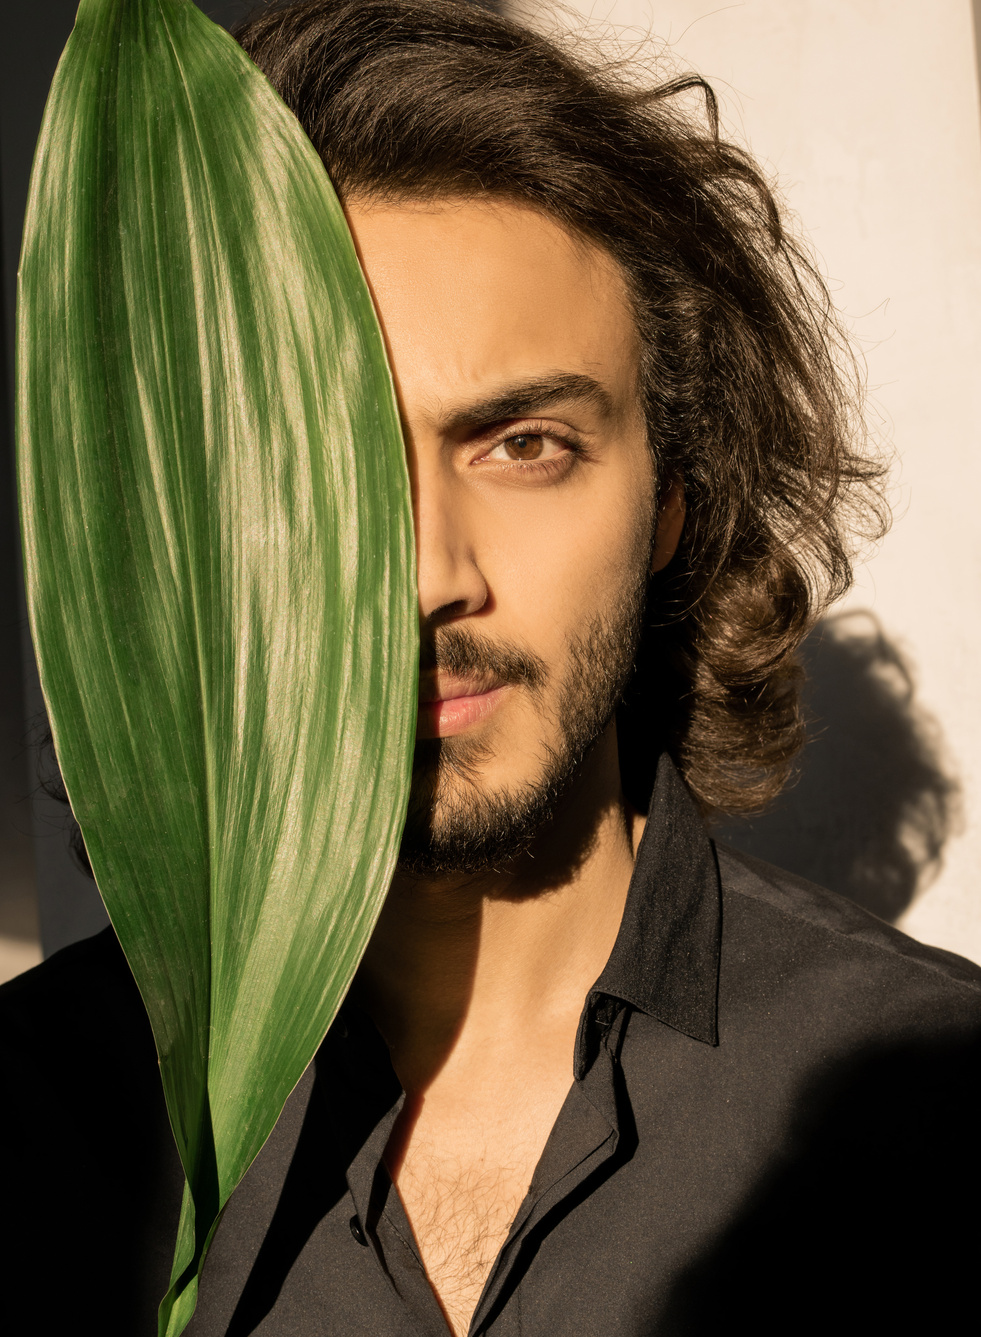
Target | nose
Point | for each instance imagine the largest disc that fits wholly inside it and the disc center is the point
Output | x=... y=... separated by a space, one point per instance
x=451 y=584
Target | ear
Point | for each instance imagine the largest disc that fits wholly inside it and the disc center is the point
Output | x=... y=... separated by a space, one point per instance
x=669 y=524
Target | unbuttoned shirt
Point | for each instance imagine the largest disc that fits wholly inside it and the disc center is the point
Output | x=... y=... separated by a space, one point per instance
x=771 y=1123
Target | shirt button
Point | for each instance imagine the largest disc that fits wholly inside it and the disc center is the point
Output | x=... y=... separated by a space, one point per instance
x=357 y=1232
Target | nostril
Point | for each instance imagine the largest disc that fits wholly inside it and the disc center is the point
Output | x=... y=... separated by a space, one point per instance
x=448 y=612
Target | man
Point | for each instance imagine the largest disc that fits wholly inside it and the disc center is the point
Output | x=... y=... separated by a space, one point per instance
x=595 y=1075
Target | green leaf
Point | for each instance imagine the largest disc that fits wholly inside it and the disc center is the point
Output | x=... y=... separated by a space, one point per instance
x=220 y=563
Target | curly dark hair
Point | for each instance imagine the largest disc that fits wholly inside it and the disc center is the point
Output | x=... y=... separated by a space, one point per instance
x=751 y=394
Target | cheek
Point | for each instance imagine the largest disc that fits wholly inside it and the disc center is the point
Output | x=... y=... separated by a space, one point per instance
x=552 y=566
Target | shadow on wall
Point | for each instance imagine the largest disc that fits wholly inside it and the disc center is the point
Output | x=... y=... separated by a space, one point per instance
x=874 y=802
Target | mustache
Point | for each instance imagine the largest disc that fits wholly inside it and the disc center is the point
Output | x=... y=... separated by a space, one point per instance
x=459 y=651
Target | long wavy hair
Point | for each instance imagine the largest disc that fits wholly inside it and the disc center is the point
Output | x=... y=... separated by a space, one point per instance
x=750 y=391
x=751 y=394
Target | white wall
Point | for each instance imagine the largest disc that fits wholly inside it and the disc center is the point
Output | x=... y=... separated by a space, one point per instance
x=866 y=112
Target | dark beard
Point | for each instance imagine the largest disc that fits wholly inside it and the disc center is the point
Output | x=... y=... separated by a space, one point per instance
x=476 y=832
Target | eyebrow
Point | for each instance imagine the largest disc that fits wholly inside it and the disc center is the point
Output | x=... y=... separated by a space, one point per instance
x=526 y=398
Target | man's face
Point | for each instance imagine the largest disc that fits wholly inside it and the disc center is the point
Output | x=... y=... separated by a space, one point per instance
x=516 y=360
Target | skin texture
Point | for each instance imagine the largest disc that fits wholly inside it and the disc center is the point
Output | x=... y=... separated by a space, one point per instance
x=532 y=517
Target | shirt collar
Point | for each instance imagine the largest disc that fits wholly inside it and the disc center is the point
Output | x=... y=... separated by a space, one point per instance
x=665 y=960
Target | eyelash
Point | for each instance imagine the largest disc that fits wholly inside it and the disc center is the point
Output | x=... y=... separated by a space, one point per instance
x=573 y=446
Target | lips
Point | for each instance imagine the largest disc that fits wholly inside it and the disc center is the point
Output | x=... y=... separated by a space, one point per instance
x=439 y=685
x=448 y=705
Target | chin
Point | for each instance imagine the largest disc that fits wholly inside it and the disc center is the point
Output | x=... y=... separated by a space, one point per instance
x=459 y=823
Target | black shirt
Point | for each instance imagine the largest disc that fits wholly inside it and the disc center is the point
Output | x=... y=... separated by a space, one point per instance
x=772 y=1125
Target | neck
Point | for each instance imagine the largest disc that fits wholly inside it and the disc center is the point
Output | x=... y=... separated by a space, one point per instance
x=460 y=965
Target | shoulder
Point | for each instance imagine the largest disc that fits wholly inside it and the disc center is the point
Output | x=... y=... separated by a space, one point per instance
x=75 y=1024
x=815 y=949
x=87 y=976
x=845 y=1090
x=82 y=1102
x=79 y=1015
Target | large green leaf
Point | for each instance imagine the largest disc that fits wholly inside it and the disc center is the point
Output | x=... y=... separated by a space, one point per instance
x=219 y=561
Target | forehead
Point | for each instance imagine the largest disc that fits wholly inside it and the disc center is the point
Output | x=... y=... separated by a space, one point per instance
x=473 y=294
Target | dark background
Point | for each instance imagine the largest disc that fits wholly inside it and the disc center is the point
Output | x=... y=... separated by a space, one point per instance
x=869 y=816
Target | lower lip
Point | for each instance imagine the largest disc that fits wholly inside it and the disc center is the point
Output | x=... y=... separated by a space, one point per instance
x=442 y=719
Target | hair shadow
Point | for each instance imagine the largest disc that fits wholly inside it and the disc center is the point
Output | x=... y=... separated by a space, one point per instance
x=875 y=800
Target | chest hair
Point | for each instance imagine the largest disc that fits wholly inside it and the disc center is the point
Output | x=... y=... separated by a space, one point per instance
x=461 y=1208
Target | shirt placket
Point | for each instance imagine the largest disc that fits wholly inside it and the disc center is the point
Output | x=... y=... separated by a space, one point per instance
x=379 y=1222
x=585 y=1136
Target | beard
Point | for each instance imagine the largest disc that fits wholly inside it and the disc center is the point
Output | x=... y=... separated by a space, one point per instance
x=453 y=824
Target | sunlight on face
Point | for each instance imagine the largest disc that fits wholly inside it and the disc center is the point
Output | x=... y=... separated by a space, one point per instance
x=516 y=357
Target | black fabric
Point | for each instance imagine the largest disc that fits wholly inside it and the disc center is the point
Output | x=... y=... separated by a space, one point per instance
x=91 y=1183
x=666 y=957
x=773 y=1125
